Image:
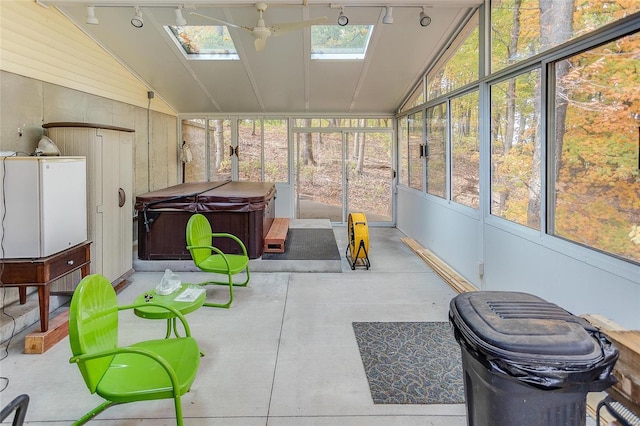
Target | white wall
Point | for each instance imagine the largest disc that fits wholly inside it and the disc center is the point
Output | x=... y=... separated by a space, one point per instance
x=451 y=234
x=519 y=259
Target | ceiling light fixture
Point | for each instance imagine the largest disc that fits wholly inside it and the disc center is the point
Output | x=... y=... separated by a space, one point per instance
x=342 y=18
x=180 y=21
x=425 y=20
x=388 y=17
x=91 y=16
x=137 y=20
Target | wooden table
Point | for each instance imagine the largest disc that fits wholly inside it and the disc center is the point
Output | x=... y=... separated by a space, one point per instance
x=41 y=272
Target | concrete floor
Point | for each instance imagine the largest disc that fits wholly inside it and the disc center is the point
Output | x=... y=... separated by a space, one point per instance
x=283 y=355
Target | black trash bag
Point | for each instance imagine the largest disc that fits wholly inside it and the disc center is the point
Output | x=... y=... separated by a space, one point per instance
x=526 y=339
x=594 y=377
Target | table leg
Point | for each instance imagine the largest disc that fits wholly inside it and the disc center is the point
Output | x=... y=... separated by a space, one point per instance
x=22 y=294
x=43 y=301
x=166 y=336
x=84 y=271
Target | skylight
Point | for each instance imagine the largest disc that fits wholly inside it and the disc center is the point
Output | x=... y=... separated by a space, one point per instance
x=337 y=42
x=210 y=42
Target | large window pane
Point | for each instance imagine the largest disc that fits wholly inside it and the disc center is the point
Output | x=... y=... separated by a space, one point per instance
x=515 y=149
x=459 y=65
x=194 y=133
x=465 y=150
x=523 y=28
x=220 y=141
x=276 y=150
x=436 y=150
x=597 y=138
x=329 y=123
x=403 y=151
x=250 y=150
x=416 y=98
x=415 y=146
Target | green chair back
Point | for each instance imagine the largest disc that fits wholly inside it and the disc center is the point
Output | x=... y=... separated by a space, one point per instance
x=199 y=234
x=93 y=325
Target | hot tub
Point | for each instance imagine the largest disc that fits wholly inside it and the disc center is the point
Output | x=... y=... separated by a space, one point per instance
x=244 y=209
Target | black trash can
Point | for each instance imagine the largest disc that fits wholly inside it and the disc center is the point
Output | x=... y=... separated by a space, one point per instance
x=527 y=361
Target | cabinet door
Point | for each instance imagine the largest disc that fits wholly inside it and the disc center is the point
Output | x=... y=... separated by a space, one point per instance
x=117 y=184
x=125 y=201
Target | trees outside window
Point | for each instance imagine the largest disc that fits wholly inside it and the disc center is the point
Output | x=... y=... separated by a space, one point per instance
x=403 y=151
x=515 y=140
x=465 y=149
x=415 y=136
x=596 y=148
x=436 y=151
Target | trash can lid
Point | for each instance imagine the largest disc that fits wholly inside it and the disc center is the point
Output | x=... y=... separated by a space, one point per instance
x=522 y=327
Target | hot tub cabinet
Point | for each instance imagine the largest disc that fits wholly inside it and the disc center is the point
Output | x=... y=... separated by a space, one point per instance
x=244 y=209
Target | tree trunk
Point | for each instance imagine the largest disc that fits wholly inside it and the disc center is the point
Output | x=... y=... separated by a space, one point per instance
x=556 y=27
x=510 y=111
x=307 y=145
x=361 y=144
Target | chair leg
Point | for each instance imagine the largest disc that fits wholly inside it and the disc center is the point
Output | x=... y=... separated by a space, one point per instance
x=91 y=414
x=178 y=405
x=221 y=305
x=244 y=284
x=229 y=283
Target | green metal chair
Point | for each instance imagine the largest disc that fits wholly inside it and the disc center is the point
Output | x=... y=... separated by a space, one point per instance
x=209 y=258
x=153 y=369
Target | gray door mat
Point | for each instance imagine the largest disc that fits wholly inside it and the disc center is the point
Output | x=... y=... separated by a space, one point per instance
x=307 y=244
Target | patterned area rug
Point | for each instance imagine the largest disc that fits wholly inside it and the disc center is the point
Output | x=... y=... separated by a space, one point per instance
x=411 y=362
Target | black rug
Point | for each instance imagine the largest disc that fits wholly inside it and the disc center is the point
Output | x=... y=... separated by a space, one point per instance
x=307 y=244
x=411 y=362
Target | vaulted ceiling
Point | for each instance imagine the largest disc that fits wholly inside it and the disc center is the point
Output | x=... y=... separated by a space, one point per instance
x=281 y=78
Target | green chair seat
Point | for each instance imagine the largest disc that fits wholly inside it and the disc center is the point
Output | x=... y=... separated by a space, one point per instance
x=136 y=378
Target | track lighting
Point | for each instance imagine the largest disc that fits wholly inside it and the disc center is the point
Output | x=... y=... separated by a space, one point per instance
x=388 y=17
x=425 y=20
x=91 y=16
x=180 y=21
x=137 y=20
x=342 y=18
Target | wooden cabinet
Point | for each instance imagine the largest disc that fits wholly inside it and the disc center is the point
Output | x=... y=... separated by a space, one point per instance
x=109 y=154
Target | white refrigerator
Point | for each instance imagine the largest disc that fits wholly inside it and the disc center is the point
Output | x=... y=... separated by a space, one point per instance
x=43 y=205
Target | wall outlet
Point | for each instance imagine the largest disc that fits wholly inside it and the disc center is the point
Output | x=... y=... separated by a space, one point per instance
x=481 y=268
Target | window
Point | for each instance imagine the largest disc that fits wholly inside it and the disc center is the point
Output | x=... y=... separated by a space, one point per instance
x=415 y=136
x=459 y=65
x=596 y=148
x=337 y=42
x=416 y=98
x=515 y=149
x=210 y=159
x=211 y=42
x=465 y=150
x=263 y=150
x=250 y=150
x=403 y=150
x=521 y=29
x=219 y=143
x=194 y=133
x=436 y=150
x=371 y=123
